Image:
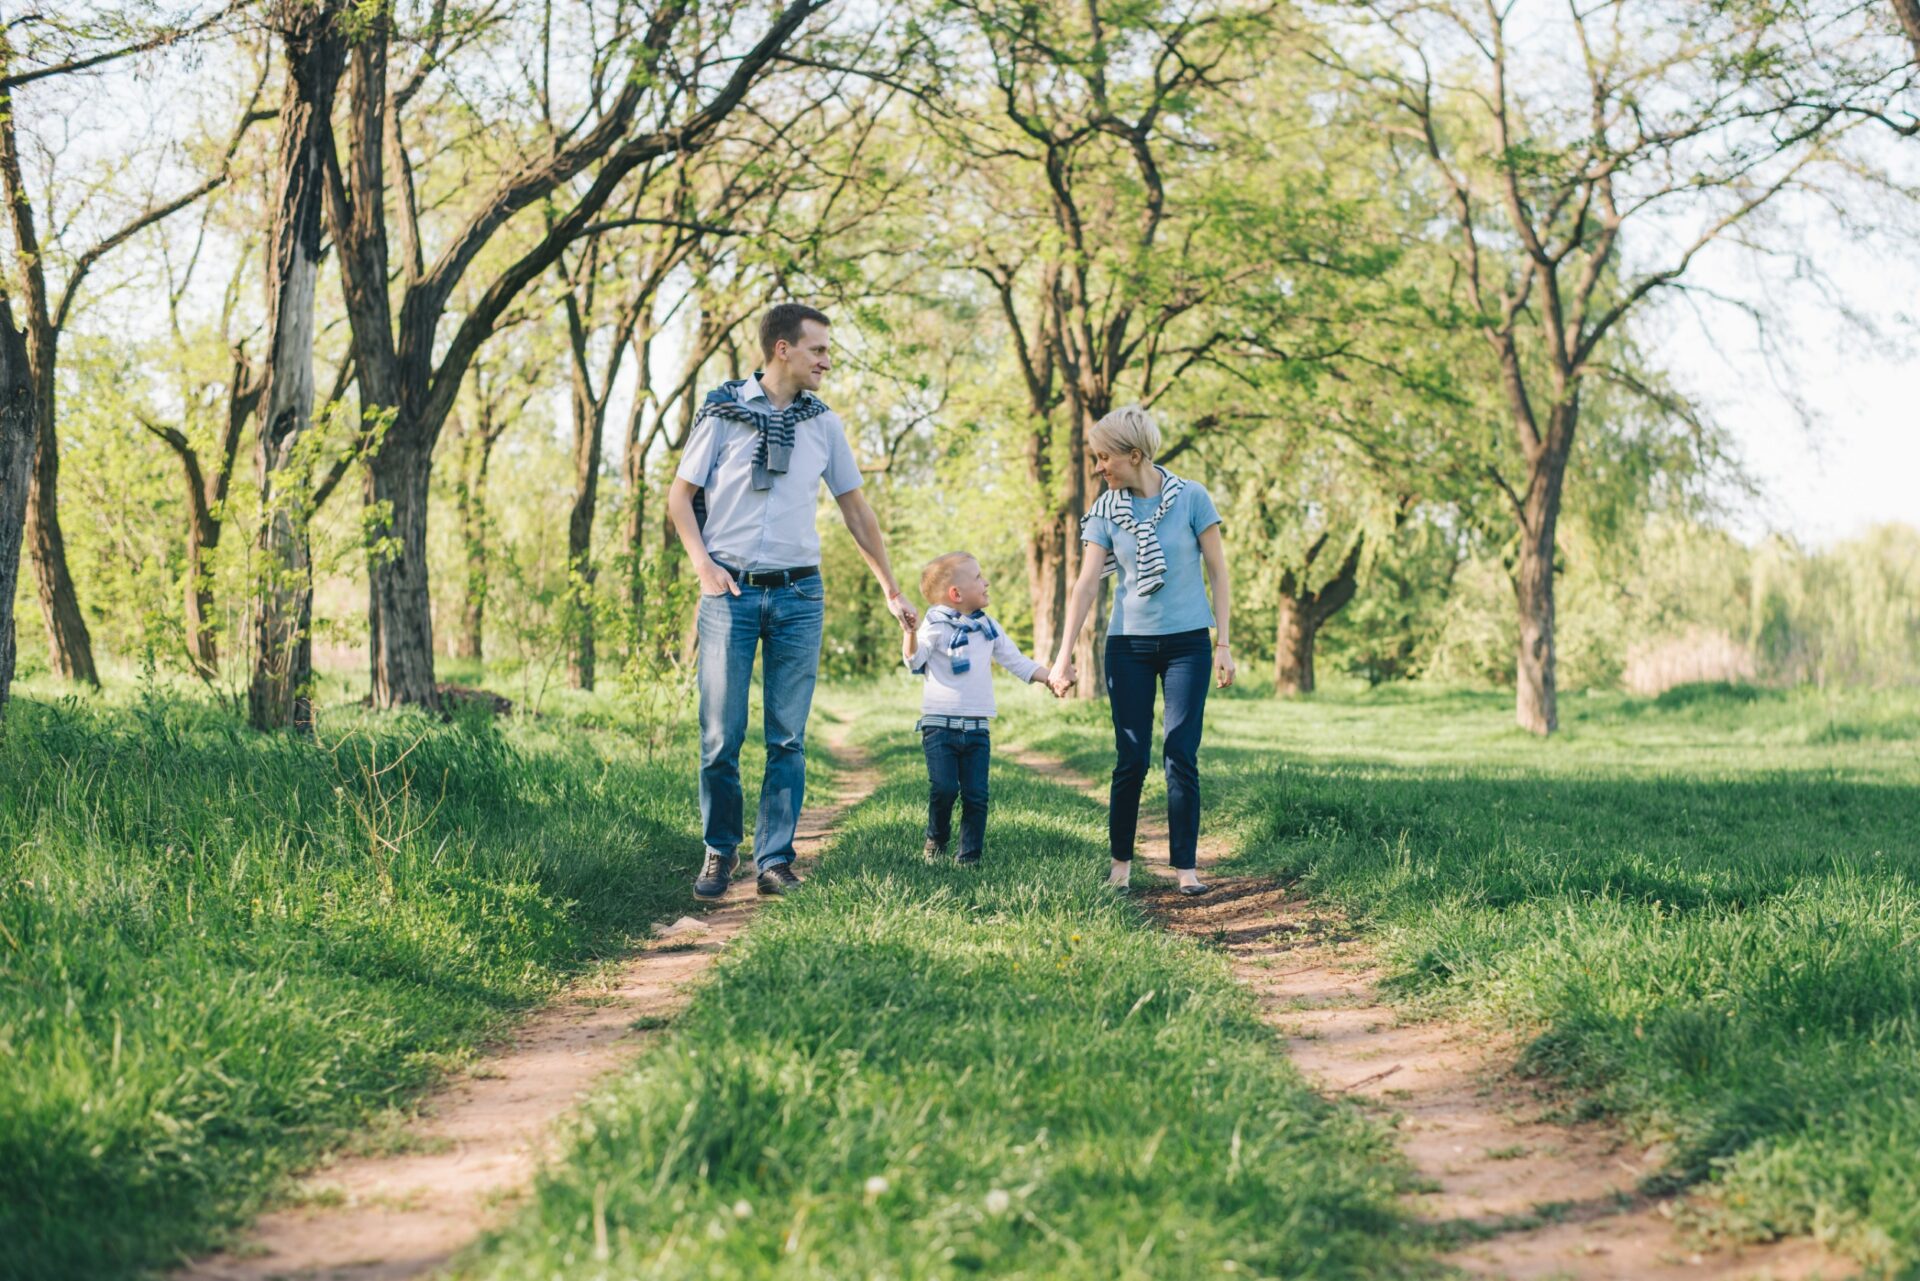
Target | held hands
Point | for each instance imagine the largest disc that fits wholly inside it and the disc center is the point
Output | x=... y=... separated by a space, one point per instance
x=1223 y=668
x=1062 y=678
x=902 y=609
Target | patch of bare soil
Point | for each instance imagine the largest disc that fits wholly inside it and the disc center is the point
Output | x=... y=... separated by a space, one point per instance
x=1529 y=1198
x=459 y=1166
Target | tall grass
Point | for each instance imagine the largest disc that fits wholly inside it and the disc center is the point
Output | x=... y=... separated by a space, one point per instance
x=1703 y=910
x=927 y=1072
x=220 y=950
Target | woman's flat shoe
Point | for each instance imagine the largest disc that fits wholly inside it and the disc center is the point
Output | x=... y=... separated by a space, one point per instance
x=1192 y=890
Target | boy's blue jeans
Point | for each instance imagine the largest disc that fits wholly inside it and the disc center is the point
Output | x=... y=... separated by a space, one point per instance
x=957 y=769
x=786 y=624
x=1181 y=663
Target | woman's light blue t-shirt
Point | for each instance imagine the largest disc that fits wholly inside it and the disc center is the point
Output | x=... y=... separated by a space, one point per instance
x=1181 y=603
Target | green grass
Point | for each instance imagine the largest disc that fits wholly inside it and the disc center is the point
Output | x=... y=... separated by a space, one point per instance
x=1008 y=1072
x=1703 y=909
x=222 y=952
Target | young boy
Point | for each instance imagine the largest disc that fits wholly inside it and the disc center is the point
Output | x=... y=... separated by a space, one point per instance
x=955 y=648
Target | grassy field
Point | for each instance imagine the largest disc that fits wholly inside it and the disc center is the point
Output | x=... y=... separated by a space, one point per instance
x=220 y=953
x=916 y=1072
x=1703 y=910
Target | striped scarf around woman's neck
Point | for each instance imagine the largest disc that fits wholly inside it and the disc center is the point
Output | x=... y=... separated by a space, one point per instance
x=1150 y=562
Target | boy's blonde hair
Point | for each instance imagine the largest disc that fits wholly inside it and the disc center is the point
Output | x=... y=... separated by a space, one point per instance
x=938 y=575
x=1126 y=429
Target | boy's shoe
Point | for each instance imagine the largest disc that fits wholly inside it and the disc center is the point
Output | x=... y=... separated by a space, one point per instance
x=935 y=853
x=778 y=879
x=715 y=875
x=966 y=859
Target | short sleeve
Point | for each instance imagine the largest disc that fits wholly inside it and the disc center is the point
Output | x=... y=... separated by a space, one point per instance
x=1097 y=530
x=843 y=469
x=701 y=451
x=1200 y=509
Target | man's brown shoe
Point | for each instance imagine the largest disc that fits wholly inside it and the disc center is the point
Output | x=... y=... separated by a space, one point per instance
x=778 y=879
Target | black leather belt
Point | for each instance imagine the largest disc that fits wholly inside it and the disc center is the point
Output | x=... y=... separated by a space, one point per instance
x=773 y=577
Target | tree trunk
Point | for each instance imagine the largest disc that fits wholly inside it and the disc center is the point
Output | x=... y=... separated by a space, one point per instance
x=1537 y=703
x=69 y=644
x=1301 y=614
x=470 y=503
x=18 y=424
x=399 y=609
x=1293 y=646
x=203 y=645
x=206 y=495
x=1909 y=14
x=633 y=475
x=1090 y=651
x=589 y=433
x=1537 y=707
x=280 y=693
x=1047 y=584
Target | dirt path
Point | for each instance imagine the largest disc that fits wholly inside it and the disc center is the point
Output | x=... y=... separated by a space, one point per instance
x=1529 y=1198
x=458 y=1167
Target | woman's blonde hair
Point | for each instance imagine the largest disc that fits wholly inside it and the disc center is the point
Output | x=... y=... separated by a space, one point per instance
x=1126 y=429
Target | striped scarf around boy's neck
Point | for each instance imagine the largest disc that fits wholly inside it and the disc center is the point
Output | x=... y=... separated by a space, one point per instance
x=1149 y=562
x=959 y=627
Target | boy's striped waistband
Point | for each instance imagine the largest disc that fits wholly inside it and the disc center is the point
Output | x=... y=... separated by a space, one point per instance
x=954 y=722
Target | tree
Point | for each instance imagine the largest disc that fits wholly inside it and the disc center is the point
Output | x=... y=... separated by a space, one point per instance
x=18 y=422
x=407 y=370
x=499 y=395
x=1626 y=119
x=636 y=273
x=207 y=478
x=1129 y=223
x=314 y=36
x=45 y=315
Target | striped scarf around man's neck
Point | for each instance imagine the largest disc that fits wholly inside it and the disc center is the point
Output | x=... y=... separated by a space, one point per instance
x=1149 y=563
x=959 y=627
x=775 y=449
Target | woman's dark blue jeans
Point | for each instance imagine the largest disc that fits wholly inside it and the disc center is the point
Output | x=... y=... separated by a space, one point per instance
x=1183 y=663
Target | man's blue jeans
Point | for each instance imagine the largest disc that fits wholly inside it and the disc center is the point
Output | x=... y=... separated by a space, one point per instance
x=785 y=623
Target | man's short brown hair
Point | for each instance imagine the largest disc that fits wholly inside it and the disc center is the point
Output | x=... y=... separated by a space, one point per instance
x=782 y=324
x=938 y=575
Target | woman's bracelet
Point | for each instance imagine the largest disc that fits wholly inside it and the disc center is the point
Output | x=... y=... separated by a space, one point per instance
x=1223 y=645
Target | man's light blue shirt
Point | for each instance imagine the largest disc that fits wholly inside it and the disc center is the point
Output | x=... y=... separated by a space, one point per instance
x=774 y=528
x=1181 y=603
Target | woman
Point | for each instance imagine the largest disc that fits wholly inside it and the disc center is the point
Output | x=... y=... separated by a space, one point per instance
x=1154 y=530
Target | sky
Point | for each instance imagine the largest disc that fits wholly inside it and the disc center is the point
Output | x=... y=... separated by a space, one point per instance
x=1847 y=454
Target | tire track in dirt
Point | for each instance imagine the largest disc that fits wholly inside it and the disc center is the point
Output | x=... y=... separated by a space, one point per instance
x=1528 y=1198
x=472 y=1149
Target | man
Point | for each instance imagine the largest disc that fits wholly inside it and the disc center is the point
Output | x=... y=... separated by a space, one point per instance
x=754 y=462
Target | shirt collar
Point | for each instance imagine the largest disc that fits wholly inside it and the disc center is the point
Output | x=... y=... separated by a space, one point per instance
x=751 y=390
